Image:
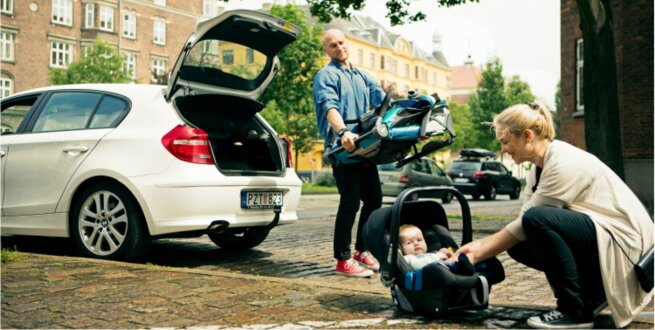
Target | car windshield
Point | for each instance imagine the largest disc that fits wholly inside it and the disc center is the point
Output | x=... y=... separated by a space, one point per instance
x=389 y=168
x=465 y=166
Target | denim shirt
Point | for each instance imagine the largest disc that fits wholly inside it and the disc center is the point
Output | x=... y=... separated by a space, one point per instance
x=351 y=92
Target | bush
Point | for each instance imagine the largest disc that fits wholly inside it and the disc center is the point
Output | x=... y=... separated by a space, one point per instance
x=326 y=180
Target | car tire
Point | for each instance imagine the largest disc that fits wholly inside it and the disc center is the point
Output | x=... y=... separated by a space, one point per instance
x=447 y=198
x=106 y=223
x=491 y=194
x=240 y=239
x=516 y=193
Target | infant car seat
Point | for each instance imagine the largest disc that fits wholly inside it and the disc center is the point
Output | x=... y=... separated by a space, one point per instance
x=434 y=289
x=388 y=133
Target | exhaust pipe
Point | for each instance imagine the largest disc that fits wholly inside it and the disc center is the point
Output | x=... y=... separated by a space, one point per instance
x=217 y=226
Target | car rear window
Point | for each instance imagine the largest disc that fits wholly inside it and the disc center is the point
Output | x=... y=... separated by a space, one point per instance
x=465 y=166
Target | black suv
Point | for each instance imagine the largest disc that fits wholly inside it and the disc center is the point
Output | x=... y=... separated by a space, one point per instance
x=477 y=172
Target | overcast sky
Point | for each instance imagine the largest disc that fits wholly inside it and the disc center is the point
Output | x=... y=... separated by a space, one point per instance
x=524 y=34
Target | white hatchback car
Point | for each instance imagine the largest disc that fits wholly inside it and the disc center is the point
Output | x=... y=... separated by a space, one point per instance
x=113 y=166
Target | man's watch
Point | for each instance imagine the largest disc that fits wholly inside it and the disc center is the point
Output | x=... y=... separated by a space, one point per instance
x=343 y=131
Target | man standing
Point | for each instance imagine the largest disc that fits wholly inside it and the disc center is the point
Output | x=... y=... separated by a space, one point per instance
x=341 y=91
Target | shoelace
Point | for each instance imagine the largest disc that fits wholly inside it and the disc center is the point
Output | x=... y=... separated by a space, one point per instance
x=552 y=316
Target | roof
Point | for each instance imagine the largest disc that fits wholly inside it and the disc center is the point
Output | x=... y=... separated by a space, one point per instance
x=465 y=76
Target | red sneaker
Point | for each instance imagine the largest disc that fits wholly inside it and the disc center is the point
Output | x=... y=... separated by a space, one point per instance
x=367 y=260
x=351 y=268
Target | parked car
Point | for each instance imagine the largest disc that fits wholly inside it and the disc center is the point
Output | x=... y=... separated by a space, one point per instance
x=419 y=173
x=477 y=172
x=112 y=166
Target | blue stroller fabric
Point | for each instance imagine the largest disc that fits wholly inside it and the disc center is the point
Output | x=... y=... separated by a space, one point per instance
x=432 y=290
x=389 y=133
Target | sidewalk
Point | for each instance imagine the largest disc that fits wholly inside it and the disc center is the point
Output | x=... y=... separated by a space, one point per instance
x=41 y=291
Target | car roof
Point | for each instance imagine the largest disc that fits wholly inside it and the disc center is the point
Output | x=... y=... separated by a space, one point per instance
x=126 y=89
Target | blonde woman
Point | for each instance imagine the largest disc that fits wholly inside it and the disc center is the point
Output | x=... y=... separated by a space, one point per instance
x=576 y=218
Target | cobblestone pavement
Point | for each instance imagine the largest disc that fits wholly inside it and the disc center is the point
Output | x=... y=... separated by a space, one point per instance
x=286 y=282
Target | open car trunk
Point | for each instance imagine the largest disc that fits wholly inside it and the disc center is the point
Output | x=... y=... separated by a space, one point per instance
x=240 y=141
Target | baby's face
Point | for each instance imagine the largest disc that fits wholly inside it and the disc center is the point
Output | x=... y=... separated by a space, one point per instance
x=412 y=242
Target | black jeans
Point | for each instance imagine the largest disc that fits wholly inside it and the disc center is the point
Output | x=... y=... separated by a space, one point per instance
x=562 y=243
x=355 y=182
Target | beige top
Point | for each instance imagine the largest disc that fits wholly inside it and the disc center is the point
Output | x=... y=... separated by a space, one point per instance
x=574 y=179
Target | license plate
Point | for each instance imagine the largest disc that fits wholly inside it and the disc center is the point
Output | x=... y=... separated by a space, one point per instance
x=461 y=180
x=384 y=178
x=261 y=199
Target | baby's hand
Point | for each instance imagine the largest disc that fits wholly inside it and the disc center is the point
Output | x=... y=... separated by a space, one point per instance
x=447 y=251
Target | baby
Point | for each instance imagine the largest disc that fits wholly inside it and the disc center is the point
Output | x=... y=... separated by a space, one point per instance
x=415 y=252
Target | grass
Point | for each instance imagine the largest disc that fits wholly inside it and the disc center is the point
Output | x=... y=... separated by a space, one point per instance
x=311 y=188
x=9 y=255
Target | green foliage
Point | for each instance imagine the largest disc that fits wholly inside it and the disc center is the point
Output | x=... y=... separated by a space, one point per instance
x=464 y=128
x=9 y=255
x=488 y=100
x=101 y=64
x=290 y=106
x=397 y=10
x=518 y=92
x=326 y=180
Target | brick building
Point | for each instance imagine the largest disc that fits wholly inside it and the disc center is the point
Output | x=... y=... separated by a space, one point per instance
x=633 y=37
x=37 y=35
x=465 y=79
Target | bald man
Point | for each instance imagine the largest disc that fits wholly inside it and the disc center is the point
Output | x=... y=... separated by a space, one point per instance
x=342 y=91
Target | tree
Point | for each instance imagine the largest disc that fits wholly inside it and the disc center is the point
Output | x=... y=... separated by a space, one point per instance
x=488 y=100
x=464 y=127
x=518 y=91
x=601 y=100
x=292 y=112
x=602 y=120
x=101 y=64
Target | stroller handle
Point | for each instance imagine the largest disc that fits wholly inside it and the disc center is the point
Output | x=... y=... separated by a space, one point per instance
x=467 y=228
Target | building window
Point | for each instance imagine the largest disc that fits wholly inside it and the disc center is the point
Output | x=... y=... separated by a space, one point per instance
x=579 y=76
x=130 y=65
x=6 y=86
x=106 y=18
x=250 y=56
x=129 y=25
x=393 y=66
x=388 y=63
x=406 y=73
x=6 y=46
x=159 y=32
x=228 y=57
x=61 y=54
x=434 y=78
x=360 y=57
x=160 y=2
x=209 y=8
x=158 y=66
x=371 y=61
x=7 y=6
x=382 y=62
x=62 y=12
x=89 y=15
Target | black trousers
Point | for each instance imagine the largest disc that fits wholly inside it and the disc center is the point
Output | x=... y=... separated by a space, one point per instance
x=562 y=243
x=355 y=182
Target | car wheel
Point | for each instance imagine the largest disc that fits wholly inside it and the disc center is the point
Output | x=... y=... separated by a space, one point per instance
x=240 y=239
x=106 y=223
x=491 y=194
x=447 y=198
x=515 y=194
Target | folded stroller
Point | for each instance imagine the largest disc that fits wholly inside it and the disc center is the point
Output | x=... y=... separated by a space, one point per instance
x=388 y=133
x=432 y=290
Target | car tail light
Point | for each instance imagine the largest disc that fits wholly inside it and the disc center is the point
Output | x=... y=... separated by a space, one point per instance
x=404 y=179
x=287 y=144
x=188 y=144
x=479 y=175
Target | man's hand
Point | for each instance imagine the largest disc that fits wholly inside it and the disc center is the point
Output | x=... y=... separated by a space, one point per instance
x=348 y=141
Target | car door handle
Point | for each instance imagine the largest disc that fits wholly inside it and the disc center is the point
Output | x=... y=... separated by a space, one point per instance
x=79 y=149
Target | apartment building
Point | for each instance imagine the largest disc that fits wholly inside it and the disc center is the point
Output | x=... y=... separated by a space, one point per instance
x=38 y=35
